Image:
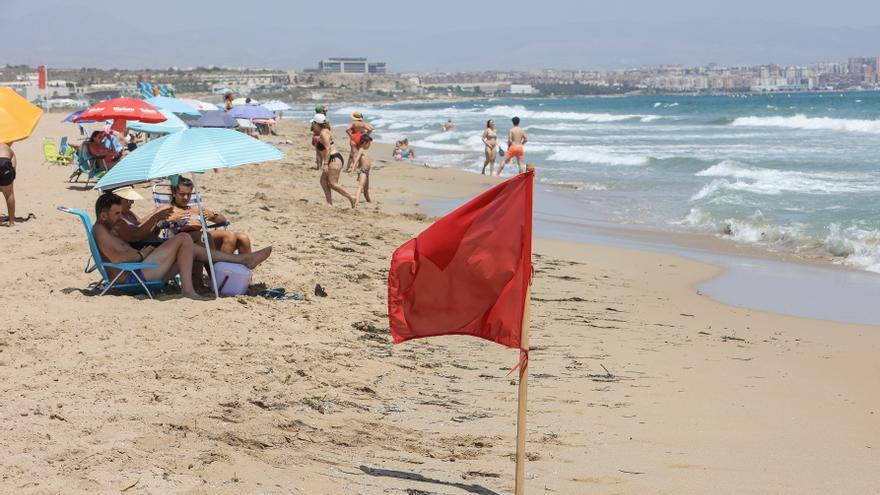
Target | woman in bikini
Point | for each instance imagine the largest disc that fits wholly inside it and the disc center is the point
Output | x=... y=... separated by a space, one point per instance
x=490 y=139
x=331 y=161
x=355 y=130
x=363 y=171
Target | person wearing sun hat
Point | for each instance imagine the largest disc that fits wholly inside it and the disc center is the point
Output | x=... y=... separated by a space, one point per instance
x=134 y=230
x=355 y=130
x=320 y=119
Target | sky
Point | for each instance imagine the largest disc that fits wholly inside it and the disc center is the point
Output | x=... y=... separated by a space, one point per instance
x=436 y=36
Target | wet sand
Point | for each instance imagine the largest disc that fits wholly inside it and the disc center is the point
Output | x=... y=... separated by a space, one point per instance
x=638 y=383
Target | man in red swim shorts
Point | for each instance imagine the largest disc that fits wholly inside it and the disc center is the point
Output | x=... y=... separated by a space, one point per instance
x=516 y=139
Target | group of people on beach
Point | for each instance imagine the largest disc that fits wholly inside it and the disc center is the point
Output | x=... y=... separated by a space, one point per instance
x=123 y=237
x=516 y=140
x=331 y=162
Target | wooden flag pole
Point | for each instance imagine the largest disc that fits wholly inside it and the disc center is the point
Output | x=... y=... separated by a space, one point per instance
x=523 y=388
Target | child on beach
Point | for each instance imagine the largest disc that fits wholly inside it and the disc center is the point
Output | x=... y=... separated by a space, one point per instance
x=363 y=170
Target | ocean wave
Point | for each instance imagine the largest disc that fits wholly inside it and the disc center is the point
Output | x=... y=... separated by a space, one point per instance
x=577 y=186
x=801 y=121
x=772 y=181
x=851 y=246
x=591 y=155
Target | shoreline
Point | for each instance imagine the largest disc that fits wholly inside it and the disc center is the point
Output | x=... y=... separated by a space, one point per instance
x=638 y=383
x=807 y=247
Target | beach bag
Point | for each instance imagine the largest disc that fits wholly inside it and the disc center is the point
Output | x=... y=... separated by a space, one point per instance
x=232 y=279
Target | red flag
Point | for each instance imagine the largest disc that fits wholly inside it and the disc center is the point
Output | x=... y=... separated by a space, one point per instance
x=468 y=273
x=41 y=77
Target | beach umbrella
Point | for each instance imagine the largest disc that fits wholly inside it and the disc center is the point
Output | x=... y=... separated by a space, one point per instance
x=201 y=106
x=173 y=105
x=18 y=117
x=214 y=118
x=122 y=110
x=251 y=112
x=242 y=101
x=172 y=124
x=190 y=150
x=245 y=124
x=74 y=115
x=276 y=106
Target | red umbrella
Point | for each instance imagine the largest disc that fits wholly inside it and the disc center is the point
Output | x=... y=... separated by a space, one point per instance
x=122 y=110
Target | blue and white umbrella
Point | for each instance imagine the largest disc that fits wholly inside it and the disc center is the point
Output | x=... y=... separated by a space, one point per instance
x=190 y=150
x=173 y=105
x=171 y=124
x=276 y=106
x=251 y=112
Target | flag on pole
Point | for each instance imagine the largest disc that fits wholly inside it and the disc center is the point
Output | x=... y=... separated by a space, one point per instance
x=468 y=273
x=41 y=77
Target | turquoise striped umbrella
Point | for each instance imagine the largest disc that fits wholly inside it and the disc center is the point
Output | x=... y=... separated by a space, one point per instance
x=172 y=124
x=190 y=150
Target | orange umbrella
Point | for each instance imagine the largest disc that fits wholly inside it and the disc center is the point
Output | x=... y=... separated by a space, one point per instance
x=18 y=117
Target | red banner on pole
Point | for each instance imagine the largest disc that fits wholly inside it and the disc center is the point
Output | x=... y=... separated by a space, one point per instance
x=41 y=76
x=469 y=272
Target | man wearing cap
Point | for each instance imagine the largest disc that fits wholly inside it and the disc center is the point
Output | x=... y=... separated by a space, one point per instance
x=136 y=231
x=355 y=130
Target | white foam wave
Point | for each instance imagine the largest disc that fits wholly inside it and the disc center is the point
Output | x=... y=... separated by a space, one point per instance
x=801 y=121
x=772 y=181
x=591 y=155
x=851 y=246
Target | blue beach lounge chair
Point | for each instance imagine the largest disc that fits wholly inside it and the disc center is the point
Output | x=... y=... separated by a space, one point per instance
x=127 y=271
x=85 y=165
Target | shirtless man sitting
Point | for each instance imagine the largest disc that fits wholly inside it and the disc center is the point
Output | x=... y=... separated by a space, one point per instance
x=181 y=213
x=516 y=139
x=176 y=255
x=8 y=165
x=139 y=231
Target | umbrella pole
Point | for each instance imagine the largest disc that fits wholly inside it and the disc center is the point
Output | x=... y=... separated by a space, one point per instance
x=205 y=239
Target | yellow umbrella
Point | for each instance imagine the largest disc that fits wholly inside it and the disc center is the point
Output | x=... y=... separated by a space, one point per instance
x=18 y=117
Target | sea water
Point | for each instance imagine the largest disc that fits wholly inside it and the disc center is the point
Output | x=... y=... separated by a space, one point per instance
x=788 y=172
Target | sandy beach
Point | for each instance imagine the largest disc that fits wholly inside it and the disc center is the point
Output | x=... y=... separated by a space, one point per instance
x=638 y=383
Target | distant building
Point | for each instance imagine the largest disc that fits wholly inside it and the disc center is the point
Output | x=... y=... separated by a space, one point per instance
x=351 y=66
x=522 y=89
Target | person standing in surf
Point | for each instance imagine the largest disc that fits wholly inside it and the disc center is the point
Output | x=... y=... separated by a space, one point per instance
x=516 y=139
x=490 y=139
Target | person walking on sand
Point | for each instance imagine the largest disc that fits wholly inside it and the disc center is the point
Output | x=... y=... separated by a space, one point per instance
x=8 y=164
x=356 y=130
x=363 y=170
x=516 y=139
x=490 y=139
x=331 y=161
x=320 y=109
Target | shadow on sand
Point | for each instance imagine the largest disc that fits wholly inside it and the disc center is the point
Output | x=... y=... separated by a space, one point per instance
x=404 y=475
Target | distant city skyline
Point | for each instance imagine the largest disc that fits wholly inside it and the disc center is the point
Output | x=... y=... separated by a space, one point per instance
x=449 y=36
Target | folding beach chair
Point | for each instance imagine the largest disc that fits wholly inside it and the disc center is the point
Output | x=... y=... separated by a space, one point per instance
x=66 y=150
x=50 y=153
x=84 y=165
x=162 y=197
x=127 y=271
